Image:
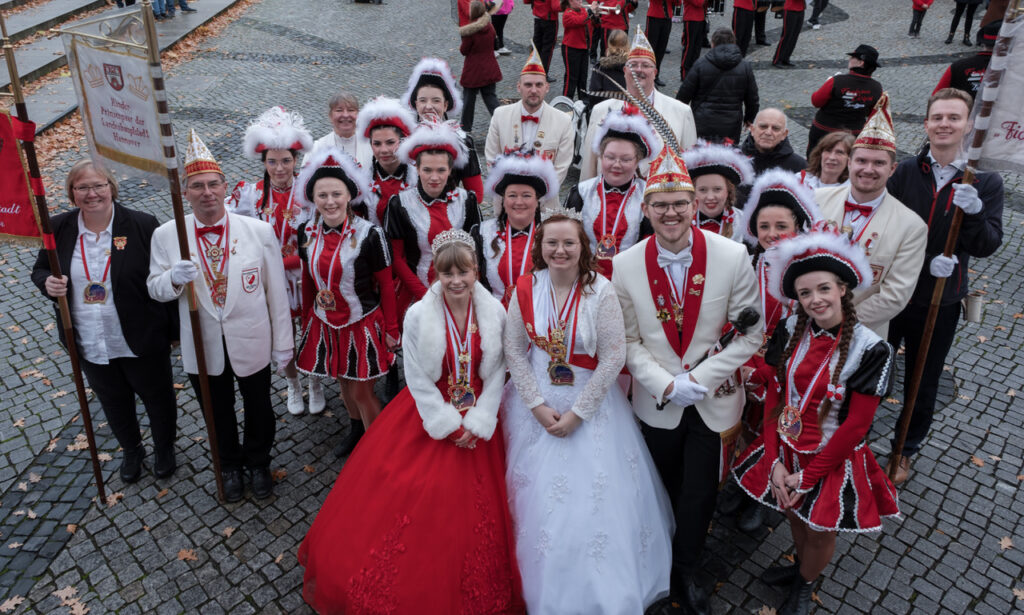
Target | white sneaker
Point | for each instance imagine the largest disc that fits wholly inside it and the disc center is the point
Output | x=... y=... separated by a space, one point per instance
x=505 y=51
x=496 y=54
x=317 y=403
x=295 y=405
x=815 y=26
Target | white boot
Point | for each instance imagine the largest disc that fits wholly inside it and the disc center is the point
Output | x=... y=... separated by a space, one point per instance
x=295 y=405
x=316 y=396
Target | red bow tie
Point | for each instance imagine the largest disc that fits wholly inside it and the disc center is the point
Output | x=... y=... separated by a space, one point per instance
x=531 y=118
x=216 y=230
x=863 y=210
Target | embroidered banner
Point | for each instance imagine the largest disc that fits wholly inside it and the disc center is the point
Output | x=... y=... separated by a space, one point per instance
x=17 y=214
x=118 y=99
x=1002 y=89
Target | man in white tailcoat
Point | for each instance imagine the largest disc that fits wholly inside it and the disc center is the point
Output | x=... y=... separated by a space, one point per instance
x=244 y=314
x=532 y=123
x=892 y=235
x=677 y=115
x=679 y=289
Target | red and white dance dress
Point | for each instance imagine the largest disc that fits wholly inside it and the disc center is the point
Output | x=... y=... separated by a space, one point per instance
x=720 y=223
x=247 y=199
x=612 y=218
x=842 y=485
x=415 y=524
x=413 y=220
x=347 y=299
x=383 y=186
x=774 y=311
x=501 y=265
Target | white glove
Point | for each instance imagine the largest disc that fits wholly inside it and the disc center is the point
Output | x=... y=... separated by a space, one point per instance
x=965 y=196
x=282 y=357
x=942 y=266
x=183 y=272
x=686 y=392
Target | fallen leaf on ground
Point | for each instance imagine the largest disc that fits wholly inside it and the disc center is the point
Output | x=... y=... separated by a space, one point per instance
x=77 y=608
x=308 y=469
x=198 y=438
x=328 y=413
x=72 y=528
x=57 y=394
x=52 y=446
x=23 y=486
x=995 y=457
x=280 y=556
x=19 y=423
x=145 y=528
x=104 y=457
x=66 y=594
x=1016 y=592
x=892 y=400
x=789 y=558
x=962 y=396
x=1005 y=543
x=15 y=601
x=15 y=545
x=179 y=385
x=1011 y=393
x=767 y=610
x=1020 y=477
x=982 y=339
x=162 y=492
x=1000 y=328
x=114 y=498
x=279 y=475
x=34 y=478
x=228 y=531
x=50 y=327
x=31 y=514
x=19 y=513
x=1018 y=315
x=978 y=461
x=816 y=598
x=187 y=555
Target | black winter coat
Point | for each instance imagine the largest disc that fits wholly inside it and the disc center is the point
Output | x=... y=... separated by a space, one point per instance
x=981 y=234
x=782 y=156
x=722 y=92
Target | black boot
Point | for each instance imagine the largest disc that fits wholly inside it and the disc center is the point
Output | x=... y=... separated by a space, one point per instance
x=262 y=482
x=967 y=40
x=233 y=486
x=752 y=518
x=165 y=463
x=348 y=443
x=799 y=600
x=949 y=39
x=692 y=597
x=781 y=575
x=131 y=464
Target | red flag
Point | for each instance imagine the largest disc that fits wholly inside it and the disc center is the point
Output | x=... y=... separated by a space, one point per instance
x=17 y=214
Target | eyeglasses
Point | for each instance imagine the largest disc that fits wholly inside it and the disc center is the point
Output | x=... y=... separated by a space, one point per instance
x=202 y=187
x=627 y=160
x=97 y=188
x=677 y=206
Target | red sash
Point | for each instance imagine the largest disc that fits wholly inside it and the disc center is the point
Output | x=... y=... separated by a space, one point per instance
x=524 y=295
x=661 y=291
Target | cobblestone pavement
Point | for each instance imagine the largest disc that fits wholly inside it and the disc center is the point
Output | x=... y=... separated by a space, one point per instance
x=170 y=547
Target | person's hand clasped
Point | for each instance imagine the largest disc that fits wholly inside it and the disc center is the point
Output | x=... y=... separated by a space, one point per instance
x=781 y=480
x=965 y=196
x=546 y=415
x=183 y=272
x=942 y=266
x=466 y=440
x=56 y=287
x=393 y=343
x=566 y=424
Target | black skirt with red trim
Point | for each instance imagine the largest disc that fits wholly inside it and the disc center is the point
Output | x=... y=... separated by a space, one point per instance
x=353 y=352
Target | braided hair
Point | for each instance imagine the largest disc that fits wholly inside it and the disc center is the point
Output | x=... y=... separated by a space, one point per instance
x=843 y=347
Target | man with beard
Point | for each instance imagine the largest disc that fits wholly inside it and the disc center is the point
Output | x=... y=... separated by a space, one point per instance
x=893 y=236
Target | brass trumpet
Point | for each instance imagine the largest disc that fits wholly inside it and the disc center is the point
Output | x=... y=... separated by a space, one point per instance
x=609 y=10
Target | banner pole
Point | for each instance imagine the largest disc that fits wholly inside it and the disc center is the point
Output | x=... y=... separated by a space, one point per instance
x=167 y=137
x=39 y=198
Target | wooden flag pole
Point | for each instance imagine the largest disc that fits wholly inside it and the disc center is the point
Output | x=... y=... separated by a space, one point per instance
x=167 y=135
x=914 y=380
x=36 y=182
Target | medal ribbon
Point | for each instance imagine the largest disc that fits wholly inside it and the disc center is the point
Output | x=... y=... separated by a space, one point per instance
x=205 y=244
x=508 y=253
x=283 y=235
x=823 y=368
x=566 y=319
x=604 y=209
x=866 y=223
x=85 y=261
x=762 y=280
x=658 y=278
x=318 y=247
x=460 y=344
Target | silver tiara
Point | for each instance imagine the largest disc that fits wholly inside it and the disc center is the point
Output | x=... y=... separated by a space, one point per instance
x=451 y=236
x=560 y=211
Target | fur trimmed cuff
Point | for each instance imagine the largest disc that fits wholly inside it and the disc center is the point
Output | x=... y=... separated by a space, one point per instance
x=480 y=422
x=439 y=423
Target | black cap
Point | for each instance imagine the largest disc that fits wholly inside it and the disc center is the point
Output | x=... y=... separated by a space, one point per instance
x=867 y=53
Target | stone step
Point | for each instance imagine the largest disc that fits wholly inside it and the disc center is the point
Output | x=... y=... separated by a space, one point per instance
x=55 y=101
x=45 y=16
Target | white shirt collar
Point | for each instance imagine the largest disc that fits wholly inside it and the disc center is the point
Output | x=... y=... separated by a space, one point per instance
x=667 y=252
x=109 y=230
x=957 y=164
x=873 y=203
x=221 y=221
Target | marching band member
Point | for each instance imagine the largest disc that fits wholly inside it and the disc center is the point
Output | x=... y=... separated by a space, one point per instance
x=717 y=172
x=277 y=137
x=830 y=374
x=349 y=323
x=611 y=202
x=504 y=243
